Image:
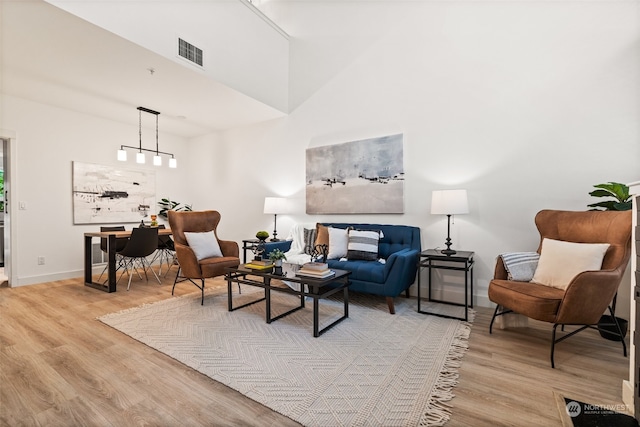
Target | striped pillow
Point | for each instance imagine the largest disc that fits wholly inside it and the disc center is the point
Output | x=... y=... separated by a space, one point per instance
x=309 y=240
x=363 y=244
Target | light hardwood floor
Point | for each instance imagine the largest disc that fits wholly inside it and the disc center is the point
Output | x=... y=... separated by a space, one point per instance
x=59 y=366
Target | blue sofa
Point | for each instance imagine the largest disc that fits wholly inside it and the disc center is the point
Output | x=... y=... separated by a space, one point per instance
x=400 y=248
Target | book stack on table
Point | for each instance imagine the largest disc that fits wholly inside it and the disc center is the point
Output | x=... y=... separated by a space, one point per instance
x=318 y=270
x=255 y=264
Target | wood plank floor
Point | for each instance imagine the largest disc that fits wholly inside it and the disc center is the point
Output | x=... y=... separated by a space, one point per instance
x=59 y=367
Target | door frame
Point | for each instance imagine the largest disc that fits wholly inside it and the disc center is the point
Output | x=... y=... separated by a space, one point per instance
x=9 y=142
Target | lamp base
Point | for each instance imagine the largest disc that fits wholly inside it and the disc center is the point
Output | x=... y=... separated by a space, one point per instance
x=274 y=240
x=448 y=251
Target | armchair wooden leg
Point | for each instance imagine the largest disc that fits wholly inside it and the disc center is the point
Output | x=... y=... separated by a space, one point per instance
x=392 y=308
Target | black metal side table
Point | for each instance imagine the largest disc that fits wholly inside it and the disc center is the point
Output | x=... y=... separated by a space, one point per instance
x=248 y=244
x=434 y=259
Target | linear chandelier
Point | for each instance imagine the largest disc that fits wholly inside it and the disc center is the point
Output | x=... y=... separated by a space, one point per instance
x=157 y=160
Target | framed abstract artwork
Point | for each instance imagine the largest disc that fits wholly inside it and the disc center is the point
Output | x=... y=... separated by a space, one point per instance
x=365 y=176
x=105 y=194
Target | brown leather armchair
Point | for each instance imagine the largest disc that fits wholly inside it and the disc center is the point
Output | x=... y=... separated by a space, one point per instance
x=590 y=293
x=190 y=267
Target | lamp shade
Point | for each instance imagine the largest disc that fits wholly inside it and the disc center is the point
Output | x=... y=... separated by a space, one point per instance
x=140 y=157
x=449 y=202
x=275 y=205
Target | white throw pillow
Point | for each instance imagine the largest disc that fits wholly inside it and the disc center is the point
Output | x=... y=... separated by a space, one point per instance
x=561 y=261
x=338 y=242
x=204 y=245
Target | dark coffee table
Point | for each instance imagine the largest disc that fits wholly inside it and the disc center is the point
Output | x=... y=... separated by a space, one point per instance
x=309 y=287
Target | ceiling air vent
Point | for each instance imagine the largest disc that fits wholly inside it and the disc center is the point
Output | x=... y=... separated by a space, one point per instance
x=190 y=52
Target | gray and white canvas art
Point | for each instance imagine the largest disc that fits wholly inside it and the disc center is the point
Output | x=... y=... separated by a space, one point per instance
x=365 y=176
x=105 y=194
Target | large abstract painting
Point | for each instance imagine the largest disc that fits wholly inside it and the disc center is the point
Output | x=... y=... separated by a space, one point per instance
x=365 y=176
x=104 y=194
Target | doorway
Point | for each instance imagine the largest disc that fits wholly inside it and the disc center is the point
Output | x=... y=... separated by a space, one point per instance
x=4 y=217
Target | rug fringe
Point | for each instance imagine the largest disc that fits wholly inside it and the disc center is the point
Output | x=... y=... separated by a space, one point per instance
x=190 y=296
x=438 y=410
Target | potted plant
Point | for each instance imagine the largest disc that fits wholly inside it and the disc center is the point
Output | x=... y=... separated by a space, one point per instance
x=620 y=192
x=170 y=205
x=262 y=235
x=622 y=202
x=277 y=256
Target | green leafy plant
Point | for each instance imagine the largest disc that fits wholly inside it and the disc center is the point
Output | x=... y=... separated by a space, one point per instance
x=277 y=254
x=171 y=205
x=620 y=192
x=262 y=235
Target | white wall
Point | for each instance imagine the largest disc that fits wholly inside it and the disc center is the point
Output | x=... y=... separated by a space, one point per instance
x=48 y=140
x=524 y=104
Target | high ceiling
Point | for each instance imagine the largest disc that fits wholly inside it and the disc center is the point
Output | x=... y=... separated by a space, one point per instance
x=55 y=58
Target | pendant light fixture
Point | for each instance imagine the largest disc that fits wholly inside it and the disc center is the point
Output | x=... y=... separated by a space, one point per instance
x=140 y=157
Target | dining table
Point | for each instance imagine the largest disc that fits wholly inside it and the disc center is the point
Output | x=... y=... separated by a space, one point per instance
x=111 y=236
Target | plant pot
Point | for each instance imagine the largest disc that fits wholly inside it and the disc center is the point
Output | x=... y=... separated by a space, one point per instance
x=277 y=263
x=608 y=330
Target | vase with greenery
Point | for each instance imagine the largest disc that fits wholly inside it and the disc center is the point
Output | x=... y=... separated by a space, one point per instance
x=619 y=192
x=277 y=256
x=171 y=205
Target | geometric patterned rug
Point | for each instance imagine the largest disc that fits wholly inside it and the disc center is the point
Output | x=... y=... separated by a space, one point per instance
x=372 y=369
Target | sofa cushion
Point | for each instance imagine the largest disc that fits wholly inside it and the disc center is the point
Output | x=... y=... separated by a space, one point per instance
x=366 y=271
x=322 y=235
x=363 y=244
x=338 y=243
x=561 y=261
x=396 y=237
x=531 y=299
x=309 y=240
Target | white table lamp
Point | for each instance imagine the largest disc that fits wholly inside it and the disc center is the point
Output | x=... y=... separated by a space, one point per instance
x=449 y=202
x=275 y=206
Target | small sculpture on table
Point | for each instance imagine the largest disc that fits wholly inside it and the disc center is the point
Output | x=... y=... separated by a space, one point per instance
x=319 y=253
x=259 y=248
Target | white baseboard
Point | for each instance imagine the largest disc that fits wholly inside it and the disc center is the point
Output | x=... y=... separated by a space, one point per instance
x=44 y=278
x=34 y=280
x=627 y=396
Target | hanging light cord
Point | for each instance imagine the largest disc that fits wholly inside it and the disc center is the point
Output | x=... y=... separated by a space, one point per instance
x=157 y=152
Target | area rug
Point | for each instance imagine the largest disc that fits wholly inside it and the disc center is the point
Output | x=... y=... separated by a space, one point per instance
x=373 y=368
